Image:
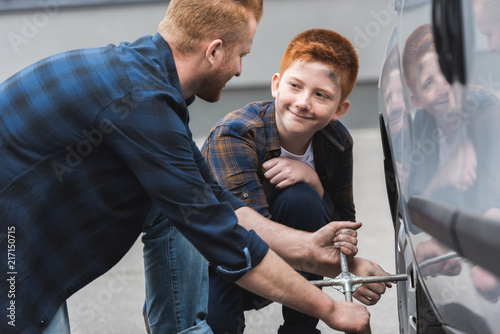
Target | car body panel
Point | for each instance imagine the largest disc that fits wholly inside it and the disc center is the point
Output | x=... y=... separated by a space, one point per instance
x=443 y=164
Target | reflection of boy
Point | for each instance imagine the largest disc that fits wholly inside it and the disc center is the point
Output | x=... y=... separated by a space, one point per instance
x=291 y=160
x=461 y=164
x=457 y=145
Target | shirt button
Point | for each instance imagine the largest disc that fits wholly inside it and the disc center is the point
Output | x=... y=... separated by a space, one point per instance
x=244 y=195
x=42 y=322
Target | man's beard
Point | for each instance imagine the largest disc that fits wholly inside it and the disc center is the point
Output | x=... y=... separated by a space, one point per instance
x=212 y=87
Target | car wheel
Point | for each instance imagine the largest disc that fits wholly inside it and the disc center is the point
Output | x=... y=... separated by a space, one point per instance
x=416 y=315
x=427 y=321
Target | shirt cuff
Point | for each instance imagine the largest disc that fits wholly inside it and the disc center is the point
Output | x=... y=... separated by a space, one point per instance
x=254 y=253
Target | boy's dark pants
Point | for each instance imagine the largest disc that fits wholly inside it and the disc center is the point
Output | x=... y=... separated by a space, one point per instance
x=300 y=207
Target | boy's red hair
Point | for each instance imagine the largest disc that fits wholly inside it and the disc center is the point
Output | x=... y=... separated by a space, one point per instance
x=329 y=47
x=417 y=45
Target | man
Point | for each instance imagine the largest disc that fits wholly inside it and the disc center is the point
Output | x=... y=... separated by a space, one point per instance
x=93 y=139
x=486 y=18
x=291 y=160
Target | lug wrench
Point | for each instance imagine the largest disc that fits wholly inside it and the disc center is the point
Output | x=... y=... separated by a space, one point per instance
x=347 y=283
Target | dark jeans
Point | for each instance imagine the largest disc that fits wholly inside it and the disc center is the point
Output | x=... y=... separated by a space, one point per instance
x=300 y=207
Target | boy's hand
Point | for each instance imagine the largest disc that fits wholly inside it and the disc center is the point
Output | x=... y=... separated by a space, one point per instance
x=368 y=294
x=460 y=171
x=284 y=172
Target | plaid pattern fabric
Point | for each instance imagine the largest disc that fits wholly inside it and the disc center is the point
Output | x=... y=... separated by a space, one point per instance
x=89 y=139
x=241 y=142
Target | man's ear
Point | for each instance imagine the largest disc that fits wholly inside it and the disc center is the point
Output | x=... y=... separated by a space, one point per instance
x=214 y=52
x=275 y=83
x=416 y=101
x=341 y=110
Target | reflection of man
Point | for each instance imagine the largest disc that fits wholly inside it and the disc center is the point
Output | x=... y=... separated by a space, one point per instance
x=486 y=283
x=398 y=116
x=487 y=13
x=461 y=160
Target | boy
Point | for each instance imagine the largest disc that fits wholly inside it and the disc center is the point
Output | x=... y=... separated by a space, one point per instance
x=459 y=123
x=291 y=160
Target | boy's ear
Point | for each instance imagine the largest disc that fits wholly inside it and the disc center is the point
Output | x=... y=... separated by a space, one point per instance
x=341 y=110
x=416 y=101
x=214 y=51
x=275 y=83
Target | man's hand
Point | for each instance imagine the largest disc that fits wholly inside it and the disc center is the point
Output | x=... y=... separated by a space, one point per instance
x=275 y=280
x=349 y=318
x=331 y=239
x=368 y=294
x=283 y=172
x=311 y=252
x=487 y=284
x=325 y=245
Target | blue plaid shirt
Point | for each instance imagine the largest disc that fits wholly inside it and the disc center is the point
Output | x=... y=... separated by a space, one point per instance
x=242 y=141
x=89 y=139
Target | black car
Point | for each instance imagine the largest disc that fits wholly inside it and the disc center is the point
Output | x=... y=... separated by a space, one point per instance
x=440 y=126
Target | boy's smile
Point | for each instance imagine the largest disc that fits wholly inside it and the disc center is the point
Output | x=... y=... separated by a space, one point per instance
x=432 y=92
x=307 y=99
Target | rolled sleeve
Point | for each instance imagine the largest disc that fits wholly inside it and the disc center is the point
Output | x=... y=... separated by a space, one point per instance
x=257 y=247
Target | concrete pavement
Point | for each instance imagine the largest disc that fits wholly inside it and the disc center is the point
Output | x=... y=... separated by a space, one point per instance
x=113 y=303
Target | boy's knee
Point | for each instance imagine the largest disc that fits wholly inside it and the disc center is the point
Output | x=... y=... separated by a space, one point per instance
x=301 y=207
x=300 y=196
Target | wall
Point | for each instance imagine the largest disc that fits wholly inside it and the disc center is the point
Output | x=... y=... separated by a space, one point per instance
x=28 y=36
